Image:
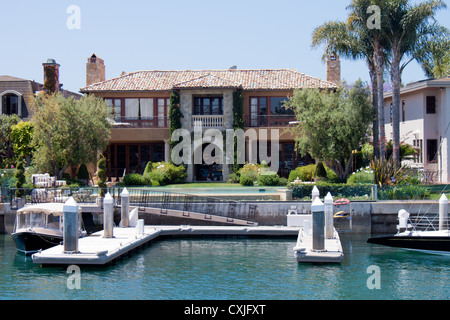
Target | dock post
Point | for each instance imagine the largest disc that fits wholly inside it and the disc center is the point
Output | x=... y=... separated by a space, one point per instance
x=318 y=225
x=70 y=235
x=443 y=212
x=125 y=208
x=315 y=193
x=329 y=223
x=108 y=216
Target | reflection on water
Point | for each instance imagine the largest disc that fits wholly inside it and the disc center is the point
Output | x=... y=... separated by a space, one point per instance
x=227 y=269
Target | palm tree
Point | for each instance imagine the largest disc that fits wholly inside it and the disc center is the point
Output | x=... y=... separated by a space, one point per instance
x=434 y=52
x=352 y=44
x=375 y=40
x=405 y=25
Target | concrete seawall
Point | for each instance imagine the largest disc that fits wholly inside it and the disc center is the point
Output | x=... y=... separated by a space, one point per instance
x=367 y=217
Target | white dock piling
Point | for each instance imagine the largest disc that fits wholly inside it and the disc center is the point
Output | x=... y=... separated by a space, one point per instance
x=443 y=213
x=108 y=216
x=315 y=193
x=318 y=225
x=125 y=208
x=329 y=223
x=70 y=235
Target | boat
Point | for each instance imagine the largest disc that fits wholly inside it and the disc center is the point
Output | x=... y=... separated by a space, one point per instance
x=418 y=235
x=40 y=226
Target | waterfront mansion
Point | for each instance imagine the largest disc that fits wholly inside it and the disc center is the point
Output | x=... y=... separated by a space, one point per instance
x=139 y=103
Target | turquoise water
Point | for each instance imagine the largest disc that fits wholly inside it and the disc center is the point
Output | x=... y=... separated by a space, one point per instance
x=232 y=269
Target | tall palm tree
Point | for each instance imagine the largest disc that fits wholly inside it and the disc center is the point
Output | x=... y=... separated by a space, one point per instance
x=374 y=39
x=405 y=25
x=351 y=44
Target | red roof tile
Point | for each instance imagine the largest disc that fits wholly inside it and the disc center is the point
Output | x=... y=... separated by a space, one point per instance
x=280 y=79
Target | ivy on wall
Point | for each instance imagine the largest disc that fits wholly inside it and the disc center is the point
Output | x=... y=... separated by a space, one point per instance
x=238 y=123
x=175 y=115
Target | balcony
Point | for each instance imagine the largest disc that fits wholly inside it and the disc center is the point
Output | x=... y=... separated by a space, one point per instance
x=269 y=121
x=154 y=122
x=215 y=121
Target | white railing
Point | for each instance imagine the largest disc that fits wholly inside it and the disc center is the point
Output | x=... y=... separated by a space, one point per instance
x=207 y=121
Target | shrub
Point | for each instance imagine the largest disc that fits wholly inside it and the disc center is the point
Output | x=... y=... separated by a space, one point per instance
x=83 y=173
x=320 y=171
x=269 y=178
x=364 y=176
x=234 y=178
x=282 y=181
x=165 y=173
x=101 y=173
x=248 y=178
x=404 y=192
x=20 y=176
x=134 y=179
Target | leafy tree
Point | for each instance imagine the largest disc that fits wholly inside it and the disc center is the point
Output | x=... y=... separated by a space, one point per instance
x=332 y=124
x=20 y=176
x=6 y=144
x=68 y=132
x=22 y=138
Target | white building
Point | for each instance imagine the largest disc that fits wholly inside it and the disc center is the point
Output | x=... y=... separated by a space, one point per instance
x=425 y=123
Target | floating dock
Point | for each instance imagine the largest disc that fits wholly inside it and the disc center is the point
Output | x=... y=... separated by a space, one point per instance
x=332 y=253
x=98 y=250
x=319 y=243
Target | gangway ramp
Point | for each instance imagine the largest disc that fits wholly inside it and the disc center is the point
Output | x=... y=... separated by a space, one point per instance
x=189 y=206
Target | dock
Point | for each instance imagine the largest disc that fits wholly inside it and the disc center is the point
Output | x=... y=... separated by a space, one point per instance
x=98 y=250
x=318 y=241
x=332 y=252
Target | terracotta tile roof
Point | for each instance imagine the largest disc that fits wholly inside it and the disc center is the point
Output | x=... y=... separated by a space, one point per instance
x=279 y=79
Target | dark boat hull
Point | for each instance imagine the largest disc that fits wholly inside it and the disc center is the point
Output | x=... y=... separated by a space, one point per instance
x=31 y=242
x=432 y=244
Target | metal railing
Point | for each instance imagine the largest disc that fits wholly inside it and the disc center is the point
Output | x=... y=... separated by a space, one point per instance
x=269 y=121
x=141 y=198
x=142 y=122
x=425 y=222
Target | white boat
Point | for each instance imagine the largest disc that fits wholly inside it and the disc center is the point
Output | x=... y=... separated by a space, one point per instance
x=40 y=226
x=419 y=235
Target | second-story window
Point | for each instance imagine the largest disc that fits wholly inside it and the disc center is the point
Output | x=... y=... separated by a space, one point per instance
x=208 y=106
x=10 y=104
x=431 y=105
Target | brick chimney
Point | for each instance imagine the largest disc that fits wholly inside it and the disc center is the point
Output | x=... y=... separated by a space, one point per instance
x=95 y=70
x=51 y=76
x=333 y=69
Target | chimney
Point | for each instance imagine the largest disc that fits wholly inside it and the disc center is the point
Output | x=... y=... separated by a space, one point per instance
x=51 y=76
x=333 y=69
x=95 y=70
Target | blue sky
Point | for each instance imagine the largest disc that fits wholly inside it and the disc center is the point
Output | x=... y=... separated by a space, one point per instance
x=171 y=35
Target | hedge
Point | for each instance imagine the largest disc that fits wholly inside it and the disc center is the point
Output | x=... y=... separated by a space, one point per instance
x=337 y=190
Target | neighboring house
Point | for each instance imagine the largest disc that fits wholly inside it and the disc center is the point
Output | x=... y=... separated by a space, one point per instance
x=139 y=103
x=17 y=95
x=425 y=124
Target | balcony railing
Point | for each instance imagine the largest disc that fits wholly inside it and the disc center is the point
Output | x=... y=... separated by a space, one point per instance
x=154 y=122
x=207 y=121
x=269 y=121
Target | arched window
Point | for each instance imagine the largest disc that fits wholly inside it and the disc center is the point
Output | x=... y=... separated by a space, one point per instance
x=11 y=103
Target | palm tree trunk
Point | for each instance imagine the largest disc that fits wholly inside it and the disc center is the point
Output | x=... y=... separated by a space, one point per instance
x=379 y=63
x=396 y=83
x=376 y=141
